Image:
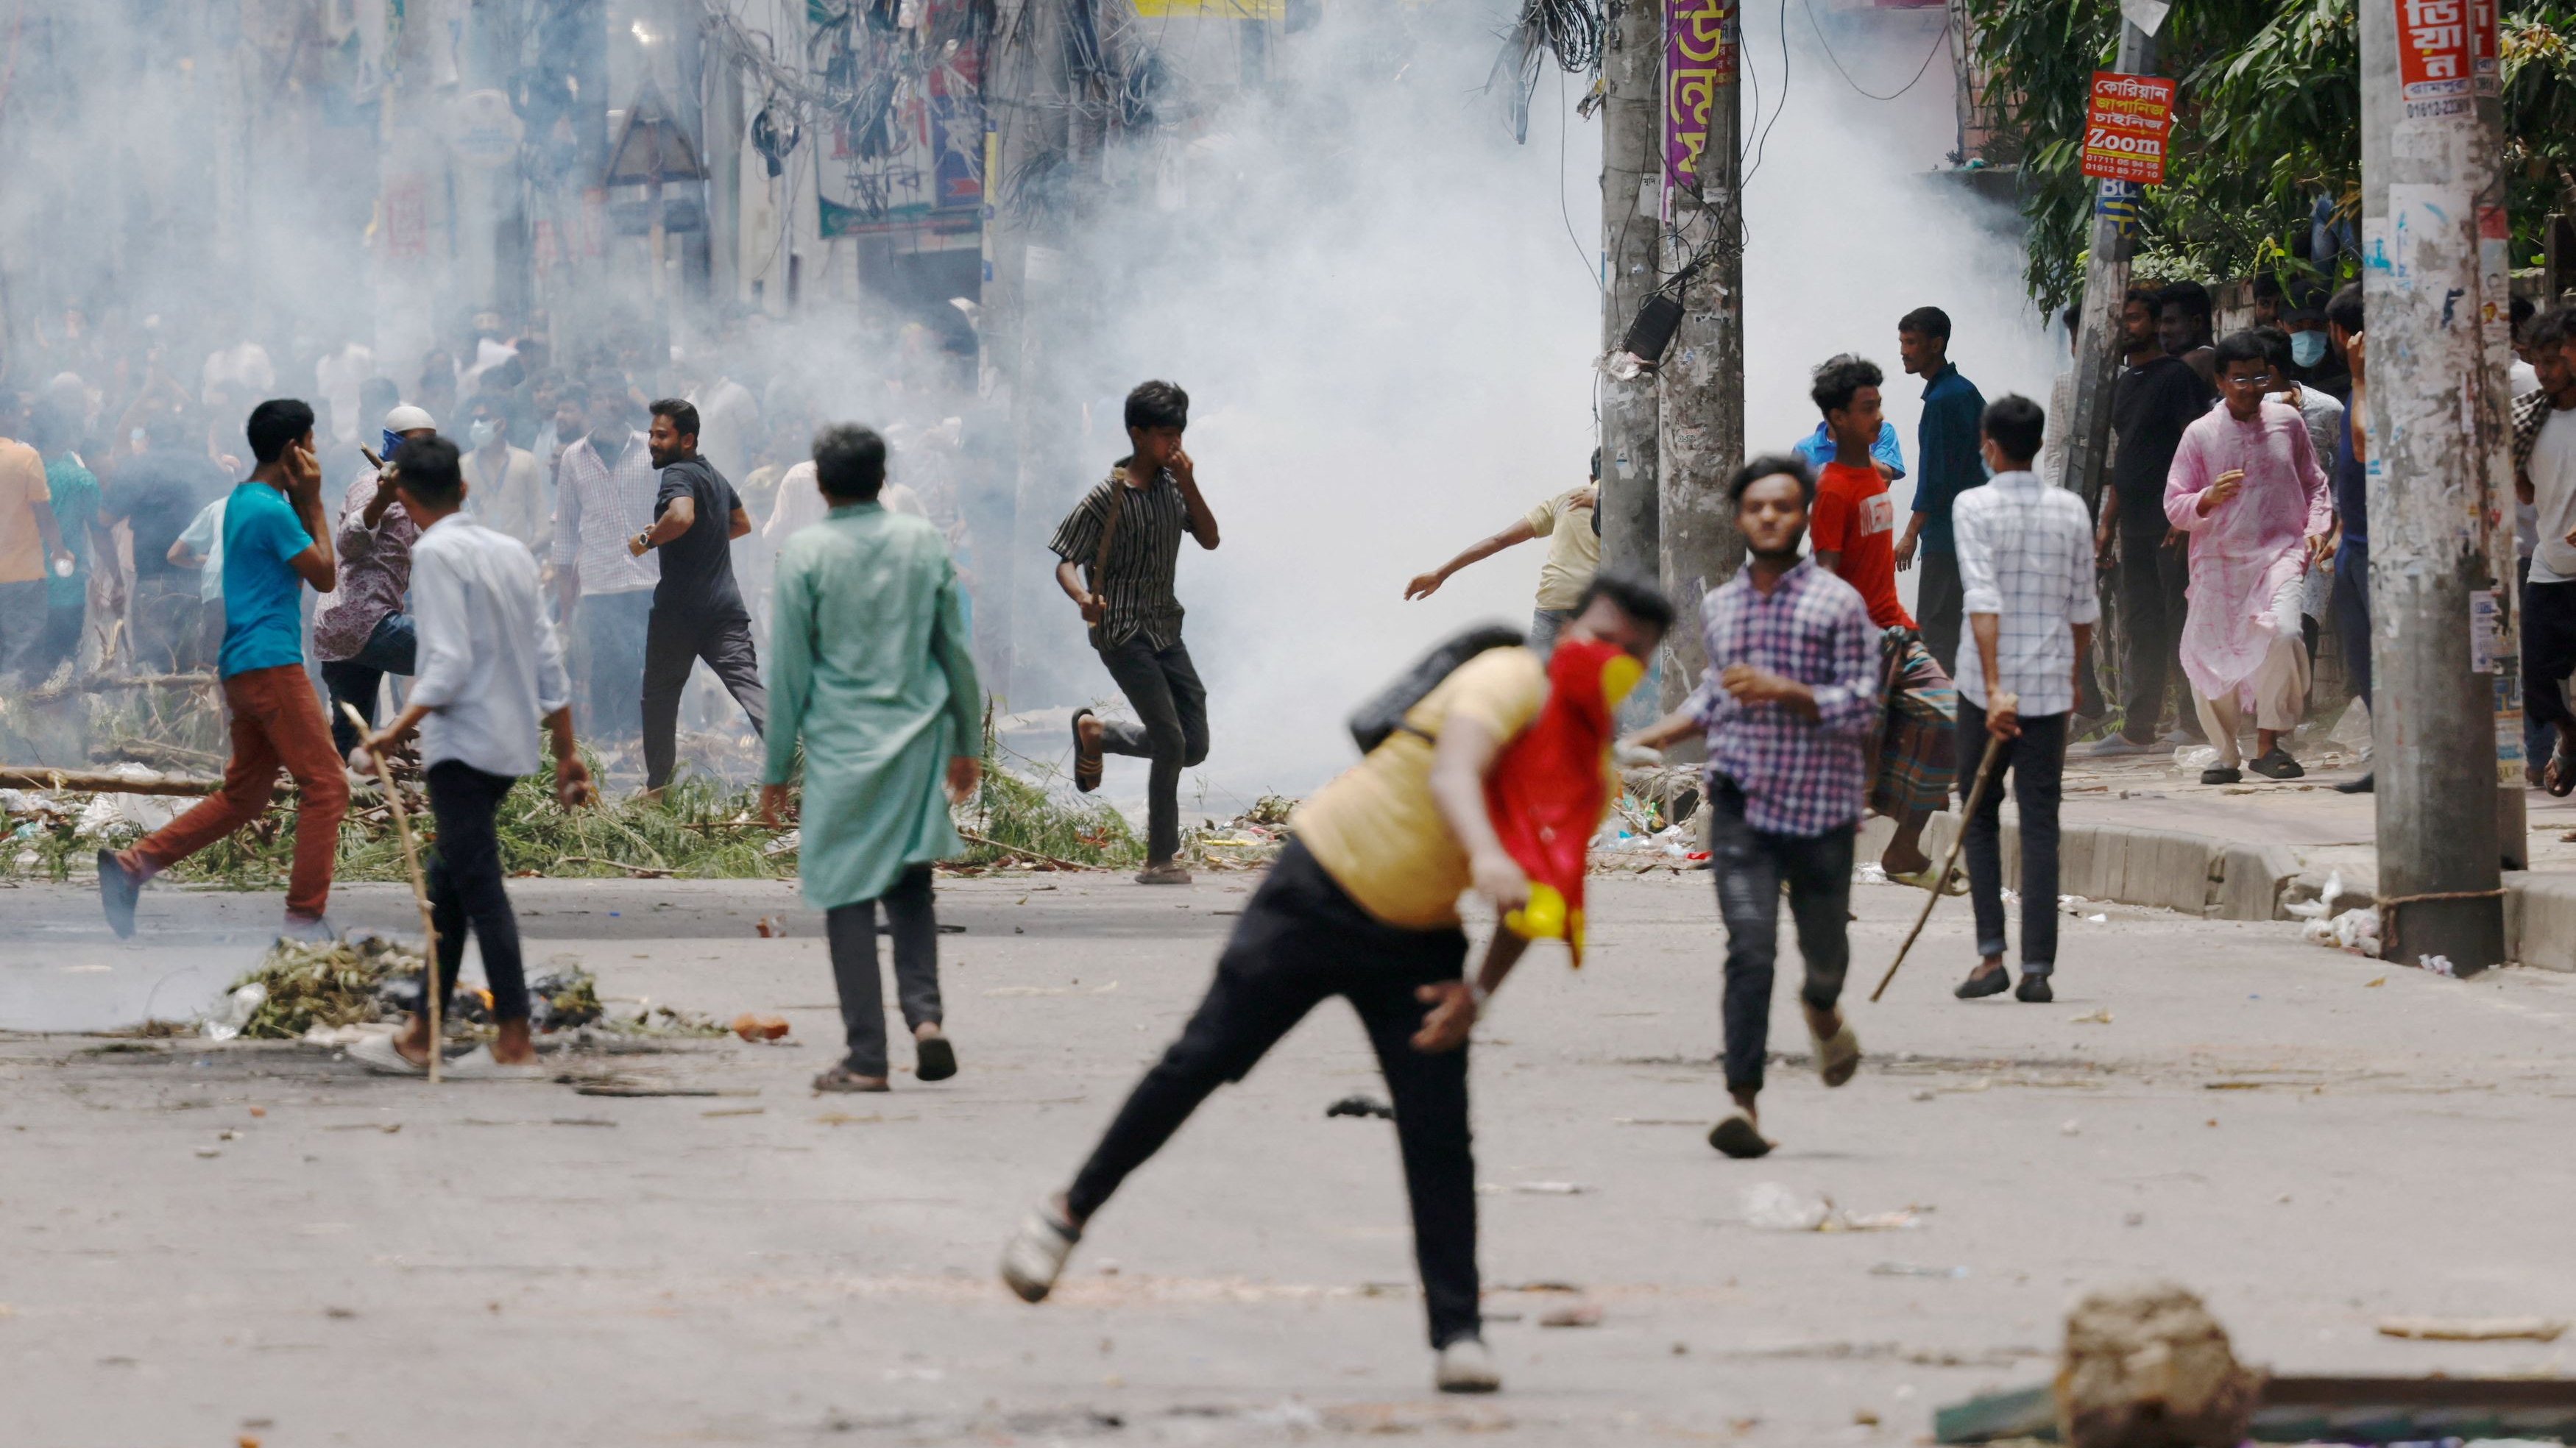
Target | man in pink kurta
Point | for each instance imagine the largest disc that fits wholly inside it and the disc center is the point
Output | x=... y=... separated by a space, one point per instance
x=2247 y=487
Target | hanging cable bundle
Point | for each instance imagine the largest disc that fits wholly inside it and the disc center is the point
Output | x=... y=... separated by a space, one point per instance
x=1572 y=30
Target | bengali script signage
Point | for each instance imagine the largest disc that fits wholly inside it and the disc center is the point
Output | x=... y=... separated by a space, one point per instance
x=1699 y=57
x=2446 y=55
x=2125 y=128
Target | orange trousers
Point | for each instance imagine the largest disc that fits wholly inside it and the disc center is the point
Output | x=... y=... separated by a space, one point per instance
x=276 y=720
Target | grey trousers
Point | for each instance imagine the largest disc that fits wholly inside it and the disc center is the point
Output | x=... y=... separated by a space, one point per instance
x=1545 y=625
x=672 y=642
x=852 y=930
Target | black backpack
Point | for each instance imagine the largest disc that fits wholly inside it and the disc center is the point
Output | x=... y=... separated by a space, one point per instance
x=1384 y=712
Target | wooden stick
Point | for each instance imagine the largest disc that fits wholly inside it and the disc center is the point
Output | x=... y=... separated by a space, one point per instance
x=972 y=838
x=419 y=893
x=85 y=781
x=1976 y=797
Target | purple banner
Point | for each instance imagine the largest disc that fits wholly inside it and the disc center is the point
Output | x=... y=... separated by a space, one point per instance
x=1699 y=56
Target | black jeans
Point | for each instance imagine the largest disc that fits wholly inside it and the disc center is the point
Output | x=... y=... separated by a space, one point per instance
x=1170 y=729
x=1939 y=601
x=2152 y=580
x=853 y=933
x=465 y=885
x=392 y=647
x=2038 y=763
x=674 y=639
x=2349 y=602
x=2549 y=653
x=1750 y=866
x=1301 y=939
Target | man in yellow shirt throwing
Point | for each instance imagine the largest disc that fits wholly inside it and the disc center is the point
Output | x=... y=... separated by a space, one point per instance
x=1363 y=904
x=1567 y=521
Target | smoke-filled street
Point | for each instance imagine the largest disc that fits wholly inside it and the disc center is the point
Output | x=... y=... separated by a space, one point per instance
x=274 y=1242
x=1231 y=721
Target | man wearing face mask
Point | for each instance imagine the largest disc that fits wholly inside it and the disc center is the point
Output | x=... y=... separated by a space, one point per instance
x=505 y=489
x=603 y=498
x=2316 y=364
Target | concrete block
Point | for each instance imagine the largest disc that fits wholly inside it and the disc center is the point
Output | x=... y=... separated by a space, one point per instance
x=2253 y=882
x=2540 y=920
x=2160 y=868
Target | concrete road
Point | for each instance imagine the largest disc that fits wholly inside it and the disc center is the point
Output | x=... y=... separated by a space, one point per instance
x=204 y=1242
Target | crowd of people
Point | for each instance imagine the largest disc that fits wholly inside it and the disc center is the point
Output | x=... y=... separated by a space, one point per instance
x=2223 y=527
x=119 y=450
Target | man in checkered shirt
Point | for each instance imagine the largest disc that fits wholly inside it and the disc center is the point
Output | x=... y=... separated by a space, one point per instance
x=2026 y=564
x=1788 y=707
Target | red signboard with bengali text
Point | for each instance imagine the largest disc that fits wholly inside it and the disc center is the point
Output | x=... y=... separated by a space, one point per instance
x=2446 y=55
x=2126 y=124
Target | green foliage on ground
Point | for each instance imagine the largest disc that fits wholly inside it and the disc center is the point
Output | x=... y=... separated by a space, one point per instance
x=2269 y=118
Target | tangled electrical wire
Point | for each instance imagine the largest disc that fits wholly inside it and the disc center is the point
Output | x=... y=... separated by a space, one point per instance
x=1574 y=31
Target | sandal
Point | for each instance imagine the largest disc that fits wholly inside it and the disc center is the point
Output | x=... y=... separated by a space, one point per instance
x=1086 y=762
x=1736 y=1137
x=1837 y=1055
x=1956 y=884
x=2559 y=778
x=841 y=1079
x=934 y=1060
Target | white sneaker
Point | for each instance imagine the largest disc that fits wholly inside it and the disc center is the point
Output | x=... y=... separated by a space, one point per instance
x=1466 y=1367
x=1035 y=1256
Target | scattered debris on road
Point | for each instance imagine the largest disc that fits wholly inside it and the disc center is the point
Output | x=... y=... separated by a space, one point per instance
x=2473 y=1329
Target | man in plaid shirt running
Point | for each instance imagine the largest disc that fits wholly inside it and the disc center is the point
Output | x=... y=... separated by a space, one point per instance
x=1788 y=706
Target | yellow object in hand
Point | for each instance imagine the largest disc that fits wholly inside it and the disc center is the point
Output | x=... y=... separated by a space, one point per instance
x=1543 y=918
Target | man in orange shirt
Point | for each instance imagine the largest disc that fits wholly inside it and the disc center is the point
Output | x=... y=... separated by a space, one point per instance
x=1853 y=527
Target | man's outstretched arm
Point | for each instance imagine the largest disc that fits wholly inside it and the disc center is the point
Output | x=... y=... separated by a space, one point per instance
x=1426 y=584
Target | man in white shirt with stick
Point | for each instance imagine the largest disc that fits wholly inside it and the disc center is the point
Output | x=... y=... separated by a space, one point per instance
x=490 y=670
x=2026 y=574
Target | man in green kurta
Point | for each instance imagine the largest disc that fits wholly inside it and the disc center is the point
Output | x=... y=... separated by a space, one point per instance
x=868 y=666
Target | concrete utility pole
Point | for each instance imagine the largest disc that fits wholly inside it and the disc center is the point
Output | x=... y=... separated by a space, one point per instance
x=1631 y=205
x=1703 y=376
x=2428 y=166
x=2106 y=285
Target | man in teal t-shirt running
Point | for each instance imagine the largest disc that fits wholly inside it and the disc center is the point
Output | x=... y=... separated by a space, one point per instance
x=271 y=523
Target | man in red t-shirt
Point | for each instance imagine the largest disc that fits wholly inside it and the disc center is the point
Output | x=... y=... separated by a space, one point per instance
x=1854 y=532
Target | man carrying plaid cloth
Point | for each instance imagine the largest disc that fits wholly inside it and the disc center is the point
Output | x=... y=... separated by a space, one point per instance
x=1853 y=529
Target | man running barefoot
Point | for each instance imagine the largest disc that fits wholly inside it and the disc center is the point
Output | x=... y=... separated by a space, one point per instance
x=1363 y=904
x=1788 y=706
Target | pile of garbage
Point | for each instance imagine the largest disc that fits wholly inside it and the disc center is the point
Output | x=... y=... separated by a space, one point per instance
x=1250 y=839
x=321 y=988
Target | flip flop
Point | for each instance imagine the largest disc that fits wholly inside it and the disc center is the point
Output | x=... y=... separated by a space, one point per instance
x=480 y=1065
x=377 y=1054
x=1921 y=879
x=1837 y=1055
x=934 y=1059
x=1736 y=1137
x=2559 y=778
x=842 y=1079
x=1086 y=763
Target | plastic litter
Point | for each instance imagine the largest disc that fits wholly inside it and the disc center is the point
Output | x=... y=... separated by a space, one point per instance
x=2438 y=965
x=238 y=1008
x=2195 y=756
x=1778 y=1207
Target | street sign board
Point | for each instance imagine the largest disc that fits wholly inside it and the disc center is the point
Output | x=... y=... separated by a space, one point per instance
x=2126 y=125
x=2446 y=55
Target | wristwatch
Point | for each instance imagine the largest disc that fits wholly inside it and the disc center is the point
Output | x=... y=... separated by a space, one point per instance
x=644 y=541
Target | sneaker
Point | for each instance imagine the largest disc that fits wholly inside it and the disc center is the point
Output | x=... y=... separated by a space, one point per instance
x=2033 y=988
x=2221 y=776
x=377 y=1054
x=1465 y=1366
x=2115 y=747
x=1167 y=873
x=117 y=891
x=1035 y=1256
x=2277 y=764
x=2364 y=785
x=318 y=930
